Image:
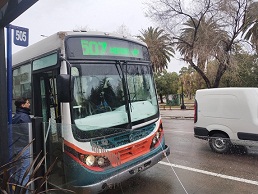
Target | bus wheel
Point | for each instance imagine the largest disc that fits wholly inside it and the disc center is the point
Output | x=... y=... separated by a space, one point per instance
x=220 y=143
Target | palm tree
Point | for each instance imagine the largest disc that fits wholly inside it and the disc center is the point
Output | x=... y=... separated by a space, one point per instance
x=250 y=31
x=160 y=47
x=200 y=41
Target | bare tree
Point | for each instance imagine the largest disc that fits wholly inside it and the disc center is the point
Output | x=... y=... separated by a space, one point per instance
x=123 y=30
x=82 y=28
x=203 y=30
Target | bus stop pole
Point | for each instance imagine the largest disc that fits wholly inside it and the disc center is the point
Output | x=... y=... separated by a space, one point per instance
x=9 y=84
x=9 y=72
x=4 y=151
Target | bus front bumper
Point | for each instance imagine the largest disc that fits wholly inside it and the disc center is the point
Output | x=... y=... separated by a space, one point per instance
x=112 y=181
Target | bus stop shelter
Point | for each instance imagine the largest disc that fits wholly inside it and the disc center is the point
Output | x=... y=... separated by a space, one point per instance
x=9 y=10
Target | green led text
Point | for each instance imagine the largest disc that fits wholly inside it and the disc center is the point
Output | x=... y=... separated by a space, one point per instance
x=93 y=48
x=102 y=48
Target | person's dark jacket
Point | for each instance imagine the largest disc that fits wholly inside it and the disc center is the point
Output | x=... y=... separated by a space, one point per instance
x=22 y=115
x=20 y=138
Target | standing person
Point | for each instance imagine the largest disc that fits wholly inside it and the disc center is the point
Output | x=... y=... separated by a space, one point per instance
x=22 y=114
x=21 y=135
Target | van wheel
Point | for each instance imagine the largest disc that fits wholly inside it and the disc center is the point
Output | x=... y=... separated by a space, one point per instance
x=220 y=143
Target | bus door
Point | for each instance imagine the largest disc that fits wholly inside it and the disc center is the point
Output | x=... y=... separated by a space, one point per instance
x=47 y=107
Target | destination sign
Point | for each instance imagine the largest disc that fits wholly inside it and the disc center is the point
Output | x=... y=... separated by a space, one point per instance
x=102 y=48
x=93 y=47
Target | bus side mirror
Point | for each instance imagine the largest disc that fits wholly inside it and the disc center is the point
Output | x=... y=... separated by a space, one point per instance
x=64 y=85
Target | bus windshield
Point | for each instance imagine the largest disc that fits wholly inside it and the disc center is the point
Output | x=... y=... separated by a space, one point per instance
x=100 y=96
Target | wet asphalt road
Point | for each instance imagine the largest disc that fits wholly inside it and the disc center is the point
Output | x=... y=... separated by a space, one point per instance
x=193 y=168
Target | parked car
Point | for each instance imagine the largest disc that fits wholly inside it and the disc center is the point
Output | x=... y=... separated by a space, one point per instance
x=226 y=117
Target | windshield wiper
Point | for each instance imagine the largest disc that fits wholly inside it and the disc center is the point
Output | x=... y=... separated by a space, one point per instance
x=127 y=89
x=126 y=92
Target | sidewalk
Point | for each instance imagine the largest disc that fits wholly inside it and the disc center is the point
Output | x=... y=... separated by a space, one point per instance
x=177 y=114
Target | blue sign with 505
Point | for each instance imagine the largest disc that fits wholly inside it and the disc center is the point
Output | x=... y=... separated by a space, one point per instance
x=20 y=36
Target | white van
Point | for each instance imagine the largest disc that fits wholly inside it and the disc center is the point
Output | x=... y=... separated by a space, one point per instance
x=226 y=117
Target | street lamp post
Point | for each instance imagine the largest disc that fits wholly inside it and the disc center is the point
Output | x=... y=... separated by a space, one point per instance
x=182 y=96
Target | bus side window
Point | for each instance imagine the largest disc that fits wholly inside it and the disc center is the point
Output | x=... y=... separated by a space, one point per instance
x=22 y=83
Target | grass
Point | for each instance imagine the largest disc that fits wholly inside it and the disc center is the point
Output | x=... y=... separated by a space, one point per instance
x=189 y=103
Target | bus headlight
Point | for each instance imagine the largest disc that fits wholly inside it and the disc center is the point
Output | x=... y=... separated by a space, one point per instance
x=90 y=160
x=155 y=139
x=101 y=162
x=94 y=161
x=157 y=135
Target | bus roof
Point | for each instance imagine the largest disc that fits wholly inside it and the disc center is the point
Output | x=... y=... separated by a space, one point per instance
x=55 y=41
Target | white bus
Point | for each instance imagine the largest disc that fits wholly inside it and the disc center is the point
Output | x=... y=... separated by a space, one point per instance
x=96 y=94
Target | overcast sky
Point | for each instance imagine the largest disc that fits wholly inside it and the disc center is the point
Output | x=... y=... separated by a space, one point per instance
x=47 y=17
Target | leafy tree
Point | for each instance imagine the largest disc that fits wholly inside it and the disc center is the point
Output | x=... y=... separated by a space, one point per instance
x=166 y=83
x=207 y=31
x=245 y=74
x=248 y=71
x=242 y=74
x=159 y=45
x=160 y=85
x=190 y=80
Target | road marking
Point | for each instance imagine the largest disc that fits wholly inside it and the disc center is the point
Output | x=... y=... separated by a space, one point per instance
x=170 y=131
x=211 y=173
